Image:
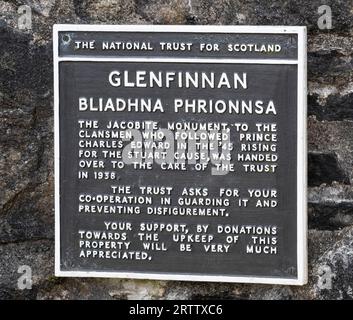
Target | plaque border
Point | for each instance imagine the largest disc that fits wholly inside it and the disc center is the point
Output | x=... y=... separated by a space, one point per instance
x=301 y=62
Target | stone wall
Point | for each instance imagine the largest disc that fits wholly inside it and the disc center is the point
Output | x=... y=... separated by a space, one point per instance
x=26 y=144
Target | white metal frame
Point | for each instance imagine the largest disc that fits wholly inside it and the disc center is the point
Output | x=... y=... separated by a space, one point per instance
x=301 y=141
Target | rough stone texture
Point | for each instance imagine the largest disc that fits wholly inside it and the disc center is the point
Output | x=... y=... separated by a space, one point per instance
x=26 y=144
x=324 y=167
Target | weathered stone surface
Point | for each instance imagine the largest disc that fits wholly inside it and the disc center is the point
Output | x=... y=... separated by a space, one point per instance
x=330 y=72
x=111 y=10
x=26 y=144
x=330 y=216
x=300 y=12
x=337 y=107
x=26 y=139
x=36 y=254
x=330 y=207
x=165 y=12
x=333 y=194
x=333 y=270
x=333 y=136
x=323 y=167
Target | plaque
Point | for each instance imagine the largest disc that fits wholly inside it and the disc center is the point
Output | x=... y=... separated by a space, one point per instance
x=180 y=153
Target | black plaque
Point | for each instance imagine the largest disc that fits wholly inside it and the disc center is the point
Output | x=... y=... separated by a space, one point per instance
x=180 y=152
